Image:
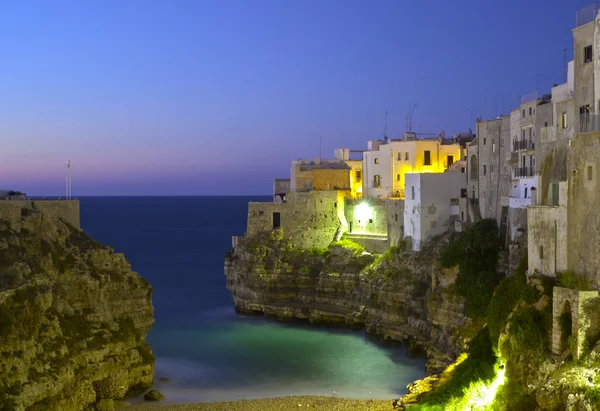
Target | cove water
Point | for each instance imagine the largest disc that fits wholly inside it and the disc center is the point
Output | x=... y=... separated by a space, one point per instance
x=206 y=350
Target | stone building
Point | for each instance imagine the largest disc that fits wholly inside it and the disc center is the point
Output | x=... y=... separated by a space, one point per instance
x=387 y=162
x=319 y=175
x=431 y=202
x=489 y=177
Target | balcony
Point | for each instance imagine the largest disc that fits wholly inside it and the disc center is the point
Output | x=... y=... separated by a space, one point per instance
x=523 y=172
x=589 y=122
x=523 y=145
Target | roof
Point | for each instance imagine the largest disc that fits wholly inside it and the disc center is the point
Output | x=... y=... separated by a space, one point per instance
x=326 y=166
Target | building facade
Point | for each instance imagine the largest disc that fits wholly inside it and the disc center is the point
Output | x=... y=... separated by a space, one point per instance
x=387 y=163
x=432 y=199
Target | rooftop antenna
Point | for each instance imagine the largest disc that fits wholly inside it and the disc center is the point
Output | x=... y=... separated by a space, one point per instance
x=385 y=127
x=68 y=182
x=411 y=109
x=565 y=63
x=320 y=147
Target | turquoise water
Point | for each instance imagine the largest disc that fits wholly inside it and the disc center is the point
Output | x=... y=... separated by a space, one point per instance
x=207 y=351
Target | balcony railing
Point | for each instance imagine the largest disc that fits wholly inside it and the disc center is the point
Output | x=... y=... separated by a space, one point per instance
x=586 y=15
x=529 y=97
x=523 y=172
x=589 y=122
x=523 y=145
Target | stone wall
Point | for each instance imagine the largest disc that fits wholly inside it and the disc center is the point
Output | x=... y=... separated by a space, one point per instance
x=308 y=219
x=565 y=300
x=494 y=180
x=366 y=218
x=67 y=210
x=394 y=211
x=331 y=179
x=547 y=237
x=584 y=203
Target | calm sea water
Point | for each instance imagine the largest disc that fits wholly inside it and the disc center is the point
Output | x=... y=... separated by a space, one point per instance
x=209 y=352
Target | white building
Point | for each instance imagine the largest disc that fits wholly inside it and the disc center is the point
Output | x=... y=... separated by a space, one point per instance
x=431 y=199
x=386 y=163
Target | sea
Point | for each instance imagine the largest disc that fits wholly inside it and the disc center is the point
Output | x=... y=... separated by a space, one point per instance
x=204 y=351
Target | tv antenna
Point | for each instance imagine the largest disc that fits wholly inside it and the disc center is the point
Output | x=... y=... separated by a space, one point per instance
x=411 y=109
x=68 y=182
x=565 y=63
x=385 y=127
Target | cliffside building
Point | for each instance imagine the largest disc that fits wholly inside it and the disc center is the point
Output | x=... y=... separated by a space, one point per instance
x=432 y=200
x=387 y=162
x=489 y=176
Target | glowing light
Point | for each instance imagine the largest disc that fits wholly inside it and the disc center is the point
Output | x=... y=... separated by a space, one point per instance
x=363 y=211
x=479 y=395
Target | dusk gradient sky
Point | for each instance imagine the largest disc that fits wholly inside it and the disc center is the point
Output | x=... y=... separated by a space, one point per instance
x=198 y=97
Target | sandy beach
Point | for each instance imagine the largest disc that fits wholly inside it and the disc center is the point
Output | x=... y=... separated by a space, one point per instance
x=272 y=404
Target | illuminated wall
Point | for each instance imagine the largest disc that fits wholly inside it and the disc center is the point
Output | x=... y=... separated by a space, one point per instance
x=330 y=179
x=356 y=177
x=398 y=158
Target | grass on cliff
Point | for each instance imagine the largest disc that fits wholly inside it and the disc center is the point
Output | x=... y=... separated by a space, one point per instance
x=478 y=366
x=353 y=246
x=475 y=251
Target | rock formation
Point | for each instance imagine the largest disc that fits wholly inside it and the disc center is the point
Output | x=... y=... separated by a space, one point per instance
x=73 y=318
x=401 y=295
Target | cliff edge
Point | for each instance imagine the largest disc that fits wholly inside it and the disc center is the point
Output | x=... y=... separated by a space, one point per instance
x=400 y=295
x=73 y=318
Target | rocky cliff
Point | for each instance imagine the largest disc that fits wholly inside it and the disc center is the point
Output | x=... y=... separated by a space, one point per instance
x=400 y=295
x=73 y=318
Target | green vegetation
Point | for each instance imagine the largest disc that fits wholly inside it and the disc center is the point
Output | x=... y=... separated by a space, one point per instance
x=568 y=279
x=356 y=248
x=479 y=366
x=475 y=251
x=507 y=295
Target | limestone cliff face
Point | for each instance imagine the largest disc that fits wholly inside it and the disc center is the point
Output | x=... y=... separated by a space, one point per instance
x=73 y=318
x=402 y=295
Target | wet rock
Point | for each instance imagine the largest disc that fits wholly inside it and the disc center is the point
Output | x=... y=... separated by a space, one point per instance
x=153 y=395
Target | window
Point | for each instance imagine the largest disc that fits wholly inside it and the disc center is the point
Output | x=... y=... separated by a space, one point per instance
x=397 y=177
x=493 y=145
x=534 y=111
x=462 y=215
x=412 y=192
x=396 y=217
x=563 y=119
x=427 y=158
x=530 y=129
x=523 y=114
x=530 y=110
x=406 y=156
x=523 y=134
x=587 y=54
x=491 y=168
x=276 y=220
x=376 y=160
x=589 y=173
x=377 y=181
x=545 y=124
x=584 y=109
x=484 y=170
x=399 y=157
x=335 y=205
x=554 y=194
x=541 y=252
x=358 y=175
x=484 y=141
x=450 y=160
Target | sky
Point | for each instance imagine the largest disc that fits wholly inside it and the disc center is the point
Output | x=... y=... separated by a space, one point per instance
x=202 y=97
